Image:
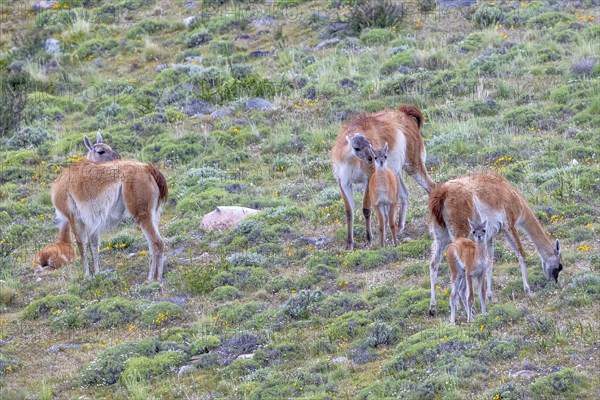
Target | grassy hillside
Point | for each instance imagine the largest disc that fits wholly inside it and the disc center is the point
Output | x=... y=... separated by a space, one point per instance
x=240 y=105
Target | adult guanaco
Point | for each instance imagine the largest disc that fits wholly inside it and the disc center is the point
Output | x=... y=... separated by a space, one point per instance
x=352 y=161
x=452 y=203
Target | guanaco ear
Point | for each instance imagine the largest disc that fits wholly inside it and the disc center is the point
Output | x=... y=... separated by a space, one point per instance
x=484 y=224
x=349 y=139
x=88 y=143
x=385 y=148
x=98 y=138
x=471 y=224
x=557 y=250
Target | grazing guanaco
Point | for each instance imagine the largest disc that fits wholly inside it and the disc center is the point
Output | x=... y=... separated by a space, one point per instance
x=451 y=204
x=352 y=165
x=99 y=152
x=95 y=197
x=56 y=255
x=383 y=195
x=468 y=259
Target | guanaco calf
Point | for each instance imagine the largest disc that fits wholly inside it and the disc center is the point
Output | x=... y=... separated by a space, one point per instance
x=383 y=195
x=468 y=259
x=56 y=255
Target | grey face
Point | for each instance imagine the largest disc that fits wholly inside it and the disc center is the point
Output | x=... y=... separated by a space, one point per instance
x=361 y=147
x=380 y=156
x=554 y=264
x=99 y=152
x=478 y=231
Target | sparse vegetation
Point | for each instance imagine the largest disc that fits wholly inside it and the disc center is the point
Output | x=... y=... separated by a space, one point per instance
x=237 y=108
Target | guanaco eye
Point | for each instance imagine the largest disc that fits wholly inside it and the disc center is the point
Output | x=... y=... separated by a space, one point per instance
x=370 y=159
x=101 y=152
x=385 y=157
x=357 y=148
x=484 y=231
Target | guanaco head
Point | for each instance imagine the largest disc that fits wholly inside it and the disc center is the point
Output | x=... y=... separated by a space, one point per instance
x=361 y=147
x=99 y=152
x=552 y=265
x=478 y=231
x=380 y=156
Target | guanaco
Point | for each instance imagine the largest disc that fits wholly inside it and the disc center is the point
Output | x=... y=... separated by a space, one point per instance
x=95 y=197
x=468 y=259
x=352 y=166
x=451 y=204
x=56 y=255
x=99 y=152
x=383 y=195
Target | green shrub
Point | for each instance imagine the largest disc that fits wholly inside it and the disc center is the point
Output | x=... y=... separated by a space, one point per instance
x=197 y=279
x=146 y=27
x=424 y=347
x=235 y=314
x=140 y=369
x=27 y=136
x=416 y=248
x=415 y=301
x=499 y=315
x=103 y=284
x=366 y=259
x=402 y=59
x=297 y=306
x=226 y=292
x=377 y=36
x=160 y=314
x=110 y=312
x=41 y=307
x=550 y=19
x=205 y=344
x=375 y=14
x=348 y=326
x=97 y=47
x=108 y=366
x=487 y=16
x=565 y=384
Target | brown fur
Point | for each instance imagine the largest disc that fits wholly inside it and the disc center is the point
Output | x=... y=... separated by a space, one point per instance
x=468 y=259
x=453 y=203
x=56 y=255
x=395 y=127
x=161 y=182
x=383 y=195
x=94 y=197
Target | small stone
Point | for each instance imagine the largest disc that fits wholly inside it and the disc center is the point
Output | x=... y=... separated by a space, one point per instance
x=194 y=59
x=187 y=21
x=339 y=360
x=186 y=369
x=327 y=43
x=221 y=112
x=263 y=22
x=259 y=104
x=226 y=217
x=43 y=5
x=260 y=53
x=63 y=346
x=52 y=46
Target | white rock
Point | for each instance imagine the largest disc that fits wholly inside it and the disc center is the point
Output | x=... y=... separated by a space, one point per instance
x=226 y=217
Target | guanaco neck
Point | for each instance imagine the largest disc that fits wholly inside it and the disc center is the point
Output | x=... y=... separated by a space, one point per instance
x=65 y=233
x=535 y=231
x=482 y=251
